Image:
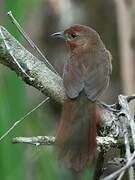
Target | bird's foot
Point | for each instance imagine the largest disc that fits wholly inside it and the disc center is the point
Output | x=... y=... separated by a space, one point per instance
x=112 y=107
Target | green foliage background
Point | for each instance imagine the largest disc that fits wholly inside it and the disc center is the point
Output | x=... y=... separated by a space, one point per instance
x=12 y=97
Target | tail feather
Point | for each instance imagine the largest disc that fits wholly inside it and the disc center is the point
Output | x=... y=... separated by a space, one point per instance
x=76 y=135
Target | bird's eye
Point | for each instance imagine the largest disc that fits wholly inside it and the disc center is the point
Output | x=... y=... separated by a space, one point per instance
x=72 y=36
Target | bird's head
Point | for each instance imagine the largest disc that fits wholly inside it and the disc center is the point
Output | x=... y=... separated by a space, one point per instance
x=79 y=37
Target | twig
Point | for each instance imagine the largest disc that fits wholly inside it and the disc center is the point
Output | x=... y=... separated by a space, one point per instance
x=102 y=142
x=123 y=100
x=127 y=146
x=116 y=173
x=126 y=119
x=130 y=98
x=125 y=108
x=22 y=118
x=124 y=104
x=32 y=44
x=38 y=140
x=122 y=174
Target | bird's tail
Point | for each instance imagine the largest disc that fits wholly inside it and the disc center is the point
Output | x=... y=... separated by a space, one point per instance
x=76 y=135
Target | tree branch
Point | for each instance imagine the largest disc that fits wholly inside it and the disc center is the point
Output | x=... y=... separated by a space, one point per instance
x=17 y=58
x=103 y=143
x=115 y=174
x=38 y=140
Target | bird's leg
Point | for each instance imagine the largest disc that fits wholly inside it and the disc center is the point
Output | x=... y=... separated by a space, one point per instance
x=112 y=107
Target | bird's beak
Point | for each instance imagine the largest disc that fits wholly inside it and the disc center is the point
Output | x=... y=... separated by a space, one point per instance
x=58 y=34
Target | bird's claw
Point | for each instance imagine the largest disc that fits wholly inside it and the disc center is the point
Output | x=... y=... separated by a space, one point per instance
x=108 y=107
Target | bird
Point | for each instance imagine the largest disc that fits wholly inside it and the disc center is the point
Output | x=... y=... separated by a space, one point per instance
x=86 y=76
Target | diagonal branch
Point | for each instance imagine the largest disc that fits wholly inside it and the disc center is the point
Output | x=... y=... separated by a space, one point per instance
x=115 y=174
x=17 y=58
x=26 y=37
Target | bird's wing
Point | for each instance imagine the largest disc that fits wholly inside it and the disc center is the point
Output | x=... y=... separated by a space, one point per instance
x=97 y=76
x=73 y=77
x=91 y=73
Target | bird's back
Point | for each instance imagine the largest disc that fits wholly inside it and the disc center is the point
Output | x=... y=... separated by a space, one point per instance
x=89 y=71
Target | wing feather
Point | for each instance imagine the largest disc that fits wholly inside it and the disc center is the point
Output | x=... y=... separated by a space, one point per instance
x=97 y=77
x=88 y=72
x=72 y=78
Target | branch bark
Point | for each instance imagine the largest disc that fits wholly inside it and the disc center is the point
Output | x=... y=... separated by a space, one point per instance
x=17 y=58
x=102 y=142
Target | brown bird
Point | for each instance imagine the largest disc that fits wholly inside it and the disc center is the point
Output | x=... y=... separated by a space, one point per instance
x=86 y=76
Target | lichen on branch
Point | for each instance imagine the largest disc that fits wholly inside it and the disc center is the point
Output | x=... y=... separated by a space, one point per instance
x=17 y=58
